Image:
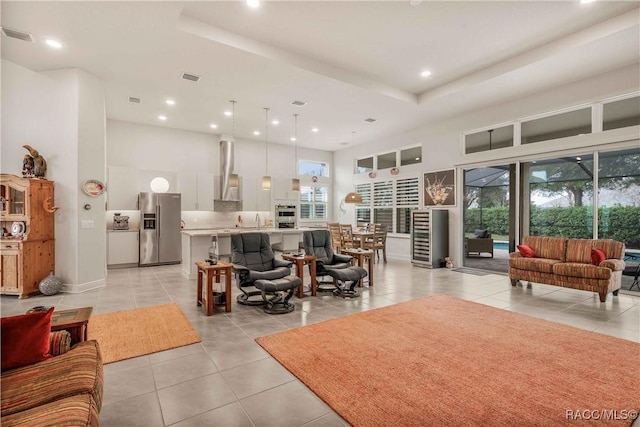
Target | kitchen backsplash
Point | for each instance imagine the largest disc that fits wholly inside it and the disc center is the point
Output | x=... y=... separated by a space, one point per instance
x=200 y=219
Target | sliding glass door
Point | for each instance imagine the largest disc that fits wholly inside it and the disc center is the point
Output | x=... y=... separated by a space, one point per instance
x=489 y=215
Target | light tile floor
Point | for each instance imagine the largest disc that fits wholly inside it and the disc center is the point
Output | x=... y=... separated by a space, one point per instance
x=228 y=380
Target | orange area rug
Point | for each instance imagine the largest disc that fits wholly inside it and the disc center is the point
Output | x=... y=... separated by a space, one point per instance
x=442 y=361
x=132 y=333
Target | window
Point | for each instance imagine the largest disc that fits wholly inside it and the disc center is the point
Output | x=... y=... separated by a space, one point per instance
x=363 y=210
x=364 y=165
x=620 y=114
x=619 y=197
x=389 y=203
x=411 y=156
x=407 y=200
x=490 y=139
x=557 y=126
x=387 y=161
x=383 y=203
x=308 y=168
x=561 y=197
x=313 y=202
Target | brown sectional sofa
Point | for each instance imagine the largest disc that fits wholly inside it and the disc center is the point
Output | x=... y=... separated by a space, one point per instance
x=567 y=262
x=64 y=390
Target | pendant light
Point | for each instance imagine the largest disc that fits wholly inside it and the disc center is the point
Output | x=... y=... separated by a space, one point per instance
x=266 y=180
x=295 y=182
x=353 y=197
x=233 y=178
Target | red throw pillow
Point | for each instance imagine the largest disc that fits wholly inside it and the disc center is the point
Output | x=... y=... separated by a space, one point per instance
x=526 y=251
x=25 y=339
x=597 y=256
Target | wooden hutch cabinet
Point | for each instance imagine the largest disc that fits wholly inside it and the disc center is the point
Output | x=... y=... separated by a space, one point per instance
x=27 y=256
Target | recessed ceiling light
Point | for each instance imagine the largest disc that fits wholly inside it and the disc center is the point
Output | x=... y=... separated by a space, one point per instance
x=170 y=102
x=163 y=118
x=228 y=113
x=253 y=3
x=293 y=138
x=53 y=43
x=586 y=1
x=417 y=158
x=255 y=132
x=213 y=126
x=315 y=130
x=425 y=73
x=275 y=122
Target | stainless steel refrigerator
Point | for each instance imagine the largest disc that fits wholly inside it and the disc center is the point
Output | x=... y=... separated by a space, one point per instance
x=160 y=239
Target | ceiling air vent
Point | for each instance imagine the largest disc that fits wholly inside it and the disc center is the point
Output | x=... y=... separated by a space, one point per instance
x=17 y=34
x=370 y=120
x=191 y=77
x=299 y=103
x=135 y=100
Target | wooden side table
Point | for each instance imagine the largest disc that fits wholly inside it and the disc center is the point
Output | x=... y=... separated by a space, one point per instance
x=74 y=320
x=211 y=271
x=360 y=256
x=300 y=262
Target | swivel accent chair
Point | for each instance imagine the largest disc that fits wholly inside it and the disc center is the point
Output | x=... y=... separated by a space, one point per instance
x=258 y=272
x=345 y=277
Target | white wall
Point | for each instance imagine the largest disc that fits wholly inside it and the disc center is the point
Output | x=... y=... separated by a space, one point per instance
x=441 y=142
x=43 y=110
x=159 y=148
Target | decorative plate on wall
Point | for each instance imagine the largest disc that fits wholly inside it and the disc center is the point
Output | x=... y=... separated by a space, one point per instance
x=93 y=187
x=395 y=171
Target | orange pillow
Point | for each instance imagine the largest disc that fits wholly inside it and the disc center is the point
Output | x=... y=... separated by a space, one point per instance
x=25 y=339
x=597 y=256
x=526 y=251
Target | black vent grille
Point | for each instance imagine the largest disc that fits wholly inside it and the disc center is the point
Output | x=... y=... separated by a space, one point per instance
x=370 y=120
x=299 y=103
x=17 y=34
x=135 y=100
x=190 y=77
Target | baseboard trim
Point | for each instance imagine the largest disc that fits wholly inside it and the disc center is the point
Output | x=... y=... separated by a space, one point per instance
x=77 y=288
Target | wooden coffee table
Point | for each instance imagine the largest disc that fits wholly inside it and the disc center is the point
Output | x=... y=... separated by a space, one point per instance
x=210 y=272
x=74 y=320
x=300 y=262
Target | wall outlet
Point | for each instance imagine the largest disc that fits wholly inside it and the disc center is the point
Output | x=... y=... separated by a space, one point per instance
x=86 y=223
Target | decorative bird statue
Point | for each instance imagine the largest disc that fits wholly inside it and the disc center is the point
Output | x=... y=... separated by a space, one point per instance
x=27 y=166
x=39 y=163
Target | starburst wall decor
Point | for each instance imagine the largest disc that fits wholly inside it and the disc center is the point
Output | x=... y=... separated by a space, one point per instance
x=440 y=188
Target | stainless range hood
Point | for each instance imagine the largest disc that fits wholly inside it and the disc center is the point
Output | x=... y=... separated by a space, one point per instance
x=226 y=197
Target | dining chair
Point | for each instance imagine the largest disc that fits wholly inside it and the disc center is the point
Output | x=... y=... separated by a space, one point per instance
x=379 y=241
x=346 y=233
x=336 y=236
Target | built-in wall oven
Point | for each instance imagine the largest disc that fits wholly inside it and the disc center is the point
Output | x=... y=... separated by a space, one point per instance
x=286 y=216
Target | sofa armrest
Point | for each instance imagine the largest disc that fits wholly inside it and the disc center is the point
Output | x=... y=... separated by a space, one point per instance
x=613 y=264
x=515 y=254
x=59 y=342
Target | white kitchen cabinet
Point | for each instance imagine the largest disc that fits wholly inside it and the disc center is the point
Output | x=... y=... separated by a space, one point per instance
x=254 y=198
x=122 y=248
x=283 y=192
x=197 y=190
x=122 y=188
x=204 y=191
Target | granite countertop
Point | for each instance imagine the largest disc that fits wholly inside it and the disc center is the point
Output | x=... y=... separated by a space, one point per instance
x=131 y=230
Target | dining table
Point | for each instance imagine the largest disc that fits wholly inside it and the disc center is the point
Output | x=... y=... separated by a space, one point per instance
x=362 y=236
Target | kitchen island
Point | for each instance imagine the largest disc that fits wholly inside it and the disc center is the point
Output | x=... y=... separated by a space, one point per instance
x=196 y=243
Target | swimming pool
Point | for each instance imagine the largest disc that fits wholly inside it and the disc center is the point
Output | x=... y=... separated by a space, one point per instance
x=501 y=245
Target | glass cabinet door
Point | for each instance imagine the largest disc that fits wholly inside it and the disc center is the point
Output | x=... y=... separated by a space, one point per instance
x=16 y=201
